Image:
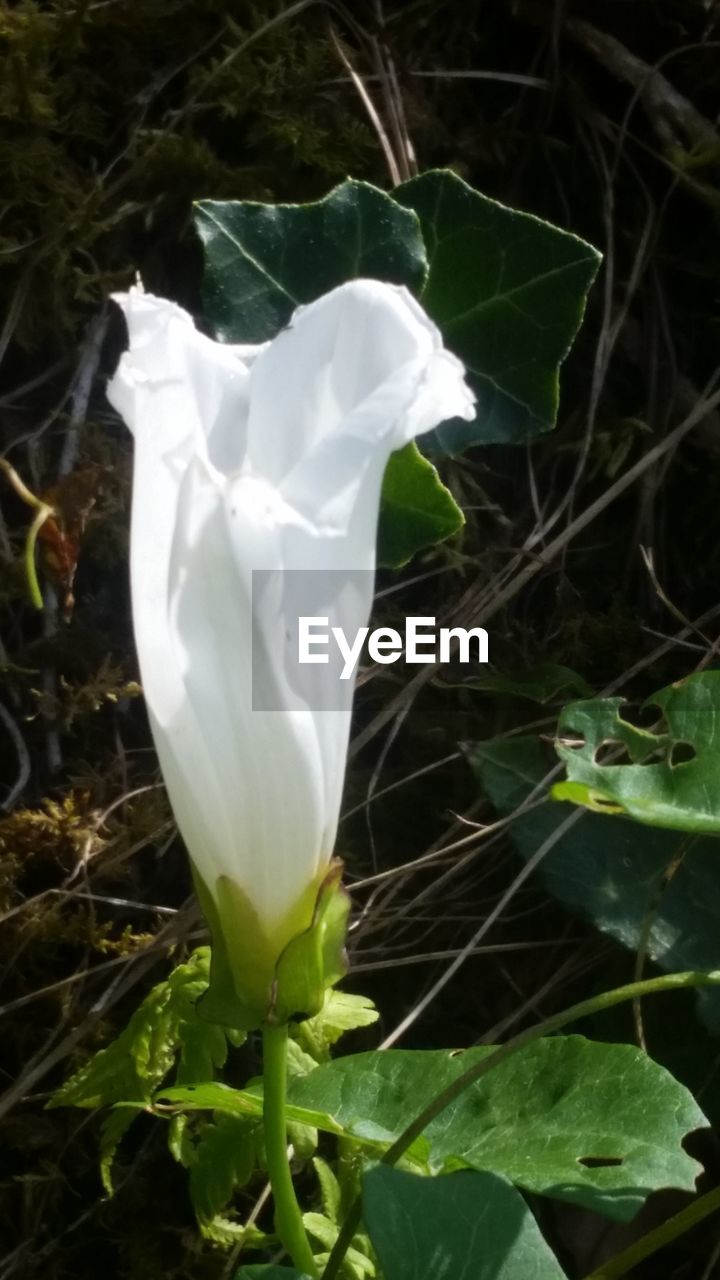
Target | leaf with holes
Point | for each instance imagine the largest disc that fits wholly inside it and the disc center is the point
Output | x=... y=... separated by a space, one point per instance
x=461 y=1224
x=508 y=292
x=665 y=776
x=660 y=886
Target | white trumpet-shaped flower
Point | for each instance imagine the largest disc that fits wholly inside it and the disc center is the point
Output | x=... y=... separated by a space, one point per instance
x=262 y=458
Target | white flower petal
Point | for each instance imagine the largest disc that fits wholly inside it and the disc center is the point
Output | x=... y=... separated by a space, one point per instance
x=364 y=362
x=264 y=458
x=200 y=387
x=262 y=822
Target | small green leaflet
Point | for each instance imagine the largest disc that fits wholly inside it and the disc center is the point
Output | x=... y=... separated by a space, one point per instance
x=342 y=1012
x=165 y=1029
x=224 y=1158
x=417 y=509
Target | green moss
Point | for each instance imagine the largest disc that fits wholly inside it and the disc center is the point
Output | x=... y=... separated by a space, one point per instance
x=117 y=116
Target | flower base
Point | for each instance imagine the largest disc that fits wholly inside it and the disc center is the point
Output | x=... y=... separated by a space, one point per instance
x=251 y=983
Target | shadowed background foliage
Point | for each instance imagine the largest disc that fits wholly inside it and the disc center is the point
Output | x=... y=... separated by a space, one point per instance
x=116 y=115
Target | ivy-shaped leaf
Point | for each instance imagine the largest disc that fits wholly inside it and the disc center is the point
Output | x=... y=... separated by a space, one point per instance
x=264 y=260
x=508 y=292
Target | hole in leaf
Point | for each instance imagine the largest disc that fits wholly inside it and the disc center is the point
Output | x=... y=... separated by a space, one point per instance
x=682 y=753
x=650 y=717
x=600 y=1162
x=573 y=739
x=612 y=751
x=600 y=801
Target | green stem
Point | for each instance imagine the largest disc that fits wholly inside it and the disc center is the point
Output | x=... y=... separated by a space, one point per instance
x=657 y=1239
x=596 y=1004
x=288 y=1218
x=43 y=514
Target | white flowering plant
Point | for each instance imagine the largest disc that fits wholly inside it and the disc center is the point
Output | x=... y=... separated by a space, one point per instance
x=356 y=343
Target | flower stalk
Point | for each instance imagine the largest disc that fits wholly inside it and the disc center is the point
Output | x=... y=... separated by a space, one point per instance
x=288 y=1217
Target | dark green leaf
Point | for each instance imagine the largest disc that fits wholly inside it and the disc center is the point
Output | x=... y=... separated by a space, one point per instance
x=263 y=260
x=613 y=872
x=508 y=292
x=417 y=509
x=667 y=776
x=472 y=1225
x=542 y=682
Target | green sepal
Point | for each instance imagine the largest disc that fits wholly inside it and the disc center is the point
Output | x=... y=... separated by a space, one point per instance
x=228 y=1002
x=252 y=979
x=316 y=959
